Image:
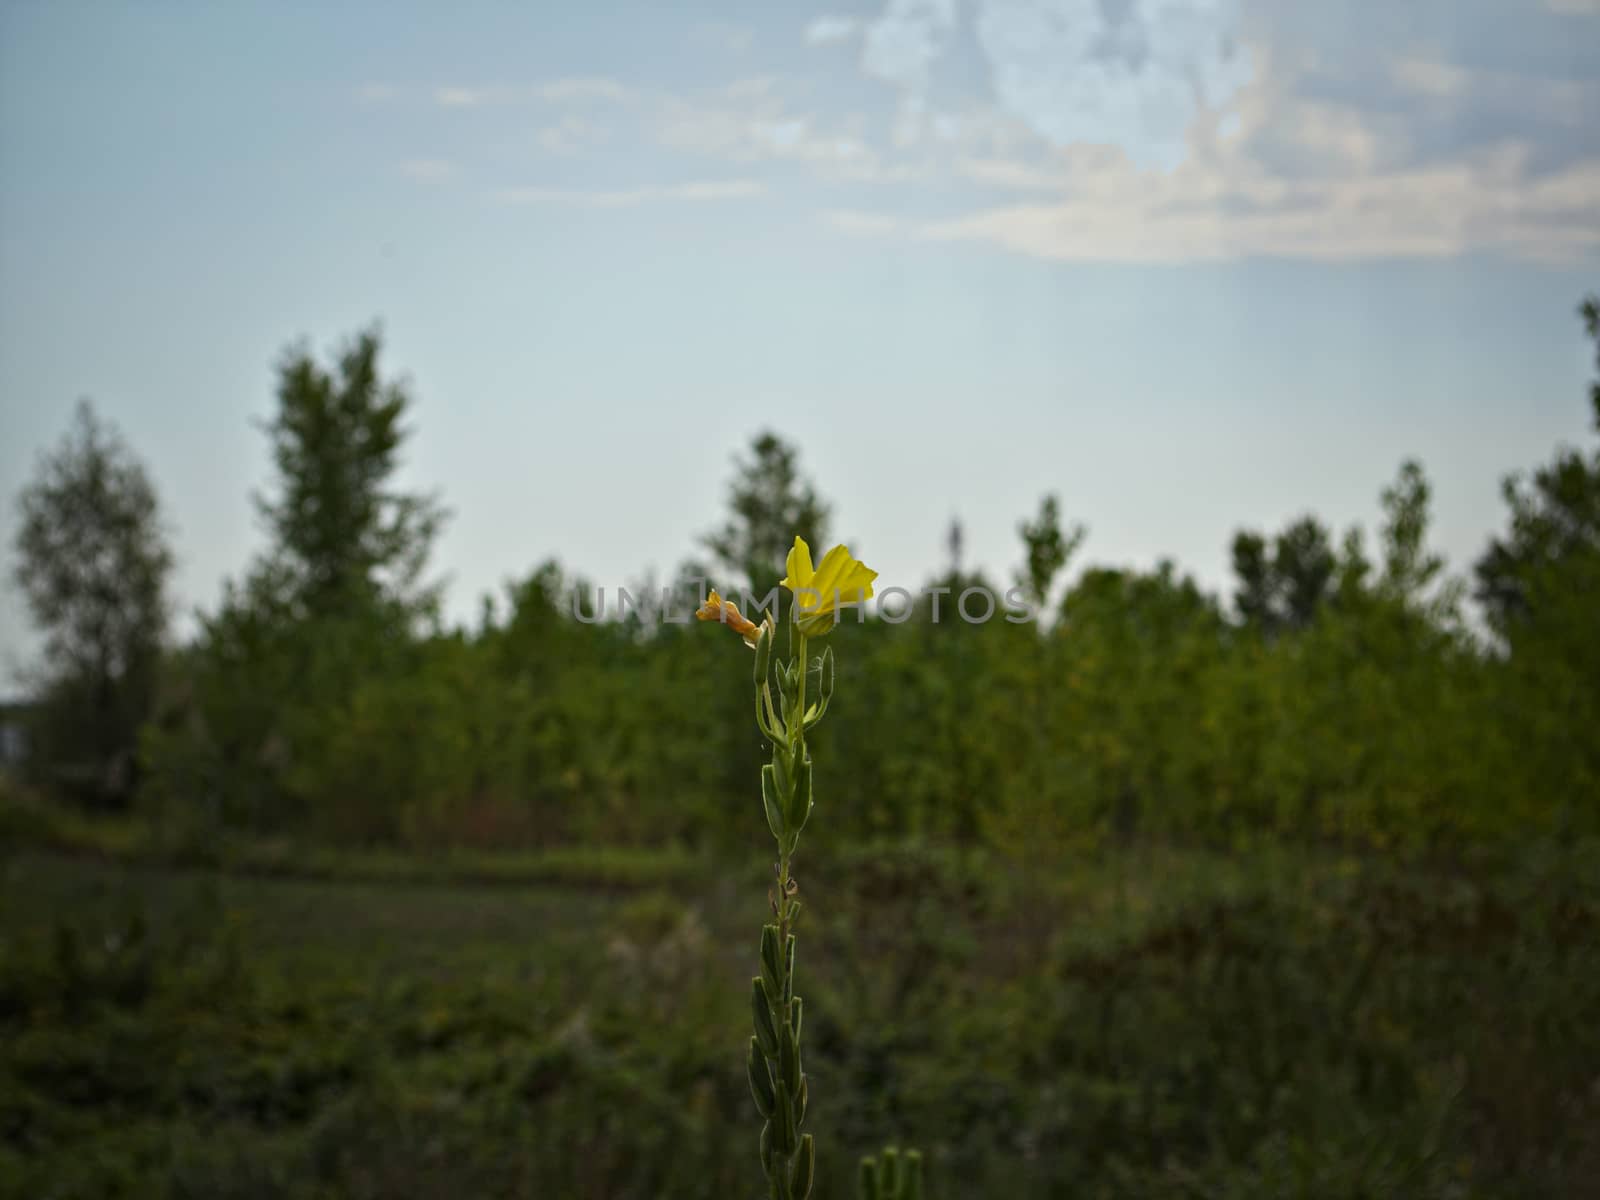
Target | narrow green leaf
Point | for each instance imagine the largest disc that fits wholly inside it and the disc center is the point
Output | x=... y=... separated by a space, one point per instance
x=774 y=728
x=794 y=1016
x=760 y=1079
x=763 y=653
x=789 y=1059
x=784 y=1135
x=771 y=960
x=788 y=973
x=783 y=773
x=889 y=1172
x=805 y=1169
x=771 y=800
x=867 y=1180
x=911 y=1176
x=766 y=1033
x=799 y=800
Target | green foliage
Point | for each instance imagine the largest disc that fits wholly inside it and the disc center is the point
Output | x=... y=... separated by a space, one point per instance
x=1341 y=697
x=1046 y=550
x=342 y=534
x=1538 y=584
x=769 y=503
x=93 y=564
x=1288 y=1023
x=891 y=1176
x=1283 y=587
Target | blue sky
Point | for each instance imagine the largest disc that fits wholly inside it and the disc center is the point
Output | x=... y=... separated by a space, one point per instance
x=1191 y=265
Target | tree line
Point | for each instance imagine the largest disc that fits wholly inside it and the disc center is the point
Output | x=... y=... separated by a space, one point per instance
x=1340 y=692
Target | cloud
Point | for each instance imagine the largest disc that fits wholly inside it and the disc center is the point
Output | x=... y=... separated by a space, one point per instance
x=828 y=30
x=1128 y=73
x=556 y=91
x=428 y=170
x=864 y=224
x=570 y=135
x=462 y=97
x=585 y=88
x=748 y=121
x=1187 y=130
x=1111 y=210
x=901 y=45
x=710 y=189
x=377 y=93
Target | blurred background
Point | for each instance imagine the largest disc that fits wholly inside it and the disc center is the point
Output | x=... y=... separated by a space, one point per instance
x=343 y=349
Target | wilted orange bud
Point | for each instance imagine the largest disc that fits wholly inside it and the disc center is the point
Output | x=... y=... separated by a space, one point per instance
x=717 y=609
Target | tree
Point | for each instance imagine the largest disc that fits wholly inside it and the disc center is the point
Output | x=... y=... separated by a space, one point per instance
x=1283 y=589
x=1047 y=549
x=344 y=534
x=332 y=607
x=1537 y=583
x=94 y=565
x=1553 y=543
x=770 y=502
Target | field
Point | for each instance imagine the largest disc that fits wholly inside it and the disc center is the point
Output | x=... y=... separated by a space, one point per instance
x=1141 y=1021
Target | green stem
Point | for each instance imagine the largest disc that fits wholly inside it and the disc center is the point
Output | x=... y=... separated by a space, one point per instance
x=797 y=752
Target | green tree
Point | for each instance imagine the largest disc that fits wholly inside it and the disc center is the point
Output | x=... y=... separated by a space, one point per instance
x=1046 y=550
x=344 y=533
x=284 y=670
x=1282 y=588
x=1554 y=537
x=1537 y=583
x=769 y=502
x=93 y=564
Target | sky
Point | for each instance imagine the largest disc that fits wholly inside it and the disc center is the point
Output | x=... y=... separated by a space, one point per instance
x=1192 y=265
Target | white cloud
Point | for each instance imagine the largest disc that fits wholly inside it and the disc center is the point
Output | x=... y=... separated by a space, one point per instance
x=556 y=91
x=428 y=170
x=461 y=97
x=863 y=224
x=1130 y=73
x=1115 y=211
x=377 y=93
x=570 y=135
x=902 y=44
x=585 y=88
x=828 y=30
x=747 y=121
x=709 y=189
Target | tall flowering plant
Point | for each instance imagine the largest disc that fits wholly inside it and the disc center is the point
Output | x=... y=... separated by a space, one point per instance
x=791 y=696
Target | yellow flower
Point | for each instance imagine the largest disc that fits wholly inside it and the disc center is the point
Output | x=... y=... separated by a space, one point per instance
x=717 y=609
x=820 y=593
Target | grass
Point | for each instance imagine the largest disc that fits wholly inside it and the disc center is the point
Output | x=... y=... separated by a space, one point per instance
x=1144 y=1022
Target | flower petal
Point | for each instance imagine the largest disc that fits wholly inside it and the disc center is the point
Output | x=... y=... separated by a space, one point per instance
x=799 y=566
x=835 y=564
